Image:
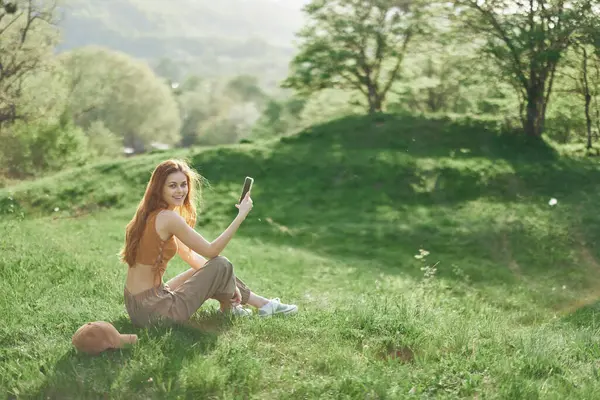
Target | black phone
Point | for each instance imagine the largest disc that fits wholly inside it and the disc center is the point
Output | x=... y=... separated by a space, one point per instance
x=247 y=187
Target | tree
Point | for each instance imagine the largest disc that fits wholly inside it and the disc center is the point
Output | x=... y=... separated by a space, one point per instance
x=565 y=118
x=585 y=91
x=354 y=45
x=246 y=88
x=124 y=94
x=27 y=35
x=9 y=7
x=588 y=38
x=278 y=118
x=527 y=40
x=168 y=69
x=441 y=77
x=35 y=134
x=30 y=148
x=218 y=111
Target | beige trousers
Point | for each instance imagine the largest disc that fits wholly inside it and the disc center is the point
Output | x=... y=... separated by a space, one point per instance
x=215 y=280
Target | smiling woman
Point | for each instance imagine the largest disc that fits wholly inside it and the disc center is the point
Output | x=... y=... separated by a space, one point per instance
x=176 y=189
x=162 y=227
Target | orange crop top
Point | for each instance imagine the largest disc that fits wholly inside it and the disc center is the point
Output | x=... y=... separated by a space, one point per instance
x=153 y=250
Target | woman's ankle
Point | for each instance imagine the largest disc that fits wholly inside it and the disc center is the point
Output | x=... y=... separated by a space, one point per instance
x=257 y=301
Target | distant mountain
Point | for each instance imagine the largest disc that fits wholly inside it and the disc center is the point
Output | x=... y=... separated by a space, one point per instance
x=209 y=37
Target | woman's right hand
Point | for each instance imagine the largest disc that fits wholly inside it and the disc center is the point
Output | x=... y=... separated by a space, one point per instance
x=246 y=205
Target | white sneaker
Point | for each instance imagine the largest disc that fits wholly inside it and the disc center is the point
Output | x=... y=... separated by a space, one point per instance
x=275 y=306
x=238 y=311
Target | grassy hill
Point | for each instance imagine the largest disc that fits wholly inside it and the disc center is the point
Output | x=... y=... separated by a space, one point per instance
x=202 y=36
x=423 y=253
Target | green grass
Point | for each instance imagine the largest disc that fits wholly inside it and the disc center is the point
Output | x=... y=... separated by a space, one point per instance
x=503 y=305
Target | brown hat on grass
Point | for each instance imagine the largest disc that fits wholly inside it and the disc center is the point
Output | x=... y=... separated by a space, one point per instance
x=96 y=337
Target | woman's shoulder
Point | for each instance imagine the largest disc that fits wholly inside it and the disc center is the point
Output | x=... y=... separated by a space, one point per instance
x=166 y=216
x=166 y=212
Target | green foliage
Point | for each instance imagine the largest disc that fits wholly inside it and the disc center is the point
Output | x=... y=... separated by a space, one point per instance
x=9 y=7
x=229 y=124
x=354 y=45
x=289 y=115
x=566 y=114
x=279 y=118
x=219 y=111
x=169 y=69
x=445 y=74
x=41 y=147
x=27 y=39
x=124 y=94
x=526 y=41
x=246 y=88
x=329 y=104
x=102 y=142
x=36 y=135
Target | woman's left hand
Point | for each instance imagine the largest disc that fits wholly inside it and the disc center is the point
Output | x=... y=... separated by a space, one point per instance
x=236 y=300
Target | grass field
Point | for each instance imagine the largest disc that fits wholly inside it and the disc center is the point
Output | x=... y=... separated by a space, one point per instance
x=424 y=255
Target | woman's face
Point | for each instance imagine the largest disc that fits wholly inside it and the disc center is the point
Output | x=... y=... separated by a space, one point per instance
x=175 y=189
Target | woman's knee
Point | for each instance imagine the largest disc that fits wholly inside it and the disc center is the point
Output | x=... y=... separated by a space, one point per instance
x=221 y=263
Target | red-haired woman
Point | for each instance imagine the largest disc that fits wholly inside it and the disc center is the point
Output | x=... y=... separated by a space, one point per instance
x=163 y=226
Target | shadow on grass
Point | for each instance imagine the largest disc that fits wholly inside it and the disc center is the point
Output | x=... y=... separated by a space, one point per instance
x=156 y=359
x=385 y=155
x=399 y=160
x=586 y=315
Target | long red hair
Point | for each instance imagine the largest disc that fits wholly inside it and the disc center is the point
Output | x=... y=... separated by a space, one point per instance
x=153 y=201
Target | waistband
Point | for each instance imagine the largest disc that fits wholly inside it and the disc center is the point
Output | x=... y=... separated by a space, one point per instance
x=152 y=292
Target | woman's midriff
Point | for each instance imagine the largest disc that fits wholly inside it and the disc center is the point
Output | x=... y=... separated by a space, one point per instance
x=140 y=277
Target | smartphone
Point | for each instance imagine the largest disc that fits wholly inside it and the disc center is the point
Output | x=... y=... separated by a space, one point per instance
x=247 y=187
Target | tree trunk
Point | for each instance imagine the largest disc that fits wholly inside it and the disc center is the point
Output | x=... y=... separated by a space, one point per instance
x=588 y=100
x=534 y=122
x=597 y=118
x=375 y=100
x=433 y=100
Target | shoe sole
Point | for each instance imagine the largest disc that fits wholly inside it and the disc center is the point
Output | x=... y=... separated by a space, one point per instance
x=248 y=314
x=288 y=312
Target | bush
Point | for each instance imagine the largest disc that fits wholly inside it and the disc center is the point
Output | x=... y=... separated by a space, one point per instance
x=31 y=149
x=102 y=142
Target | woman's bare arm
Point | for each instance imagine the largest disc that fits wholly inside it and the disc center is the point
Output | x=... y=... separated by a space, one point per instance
x=177 y=226
x=195 y=260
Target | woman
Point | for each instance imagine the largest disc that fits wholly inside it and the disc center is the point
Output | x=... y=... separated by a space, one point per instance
x=163 y=226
